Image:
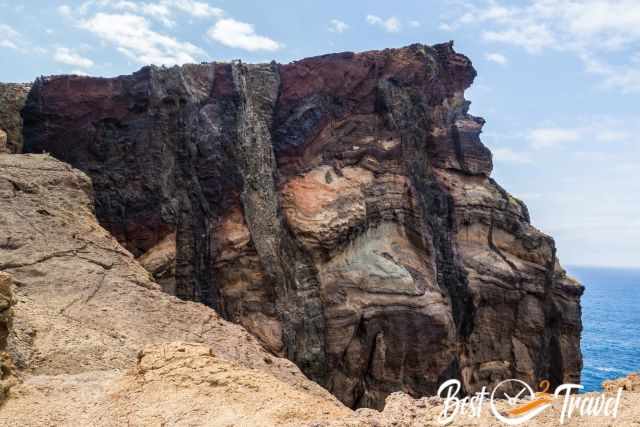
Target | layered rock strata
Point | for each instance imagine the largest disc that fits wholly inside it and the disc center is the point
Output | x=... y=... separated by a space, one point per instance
x=12 y=99
x=96 y=342
x=82 y=302
x=339 y=207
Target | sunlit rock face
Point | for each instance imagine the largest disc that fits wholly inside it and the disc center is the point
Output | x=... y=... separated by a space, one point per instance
x=339 y=207
x=12 y=99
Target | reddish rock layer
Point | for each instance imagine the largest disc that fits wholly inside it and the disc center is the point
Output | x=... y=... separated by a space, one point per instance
x=339 y=207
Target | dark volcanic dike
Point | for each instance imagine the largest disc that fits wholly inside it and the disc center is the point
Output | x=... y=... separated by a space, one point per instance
x=339 y=207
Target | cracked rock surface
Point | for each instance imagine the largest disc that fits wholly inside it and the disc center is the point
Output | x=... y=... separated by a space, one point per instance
x=12 y=99
x=340 y=208
x=7 y=369
x=84 y=307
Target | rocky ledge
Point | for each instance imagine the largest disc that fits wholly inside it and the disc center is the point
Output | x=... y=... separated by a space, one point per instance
x=340 y=208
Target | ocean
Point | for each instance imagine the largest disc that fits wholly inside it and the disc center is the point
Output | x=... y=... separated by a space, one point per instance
x=611 y=323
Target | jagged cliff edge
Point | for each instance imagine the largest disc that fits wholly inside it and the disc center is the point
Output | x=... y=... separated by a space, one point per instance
x=338 y=207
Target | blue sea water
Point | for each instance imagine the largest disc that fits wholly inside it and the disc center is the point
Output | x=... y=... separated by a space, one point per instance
x=611 y=323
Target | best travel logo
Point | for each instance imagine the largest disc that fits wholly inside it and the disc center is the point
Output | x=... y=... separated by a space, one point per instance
x=525 y=404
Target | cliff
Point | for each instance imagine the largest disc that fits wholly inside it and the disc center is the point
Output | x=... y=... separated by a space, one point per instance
x=340 y=208
x=12 y=99
x=95 y=342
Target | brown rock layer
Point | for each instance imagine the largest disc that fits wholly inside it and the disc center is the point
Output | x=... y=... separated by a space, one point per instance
x=339 y=207
x=629 y=383
x=7 y=369
x=6 y=312
x=3 y=142
x=187 y=384
x=82 y=302
x=12 y=99
x=97 y=343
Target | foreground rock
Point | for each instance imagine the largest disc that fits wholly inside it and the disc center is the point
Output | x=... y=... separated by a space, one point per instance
x=12 y=99
x=338 y=207
x=7 y=370
x=629 y=383
x=402 y=411
x=173 y=384
x=84 y=309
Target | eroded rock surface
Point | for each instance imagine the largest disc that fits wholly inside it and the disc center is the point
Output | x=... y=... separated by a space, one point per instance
x=3 y=142
x=187 y=384
x=160 y=261
x=630 y=383
x=6 y=312
x=84 y=307
x=173 y=384
x=401 y=410
x=338 y=207
x=12 y=99
x=7 y=369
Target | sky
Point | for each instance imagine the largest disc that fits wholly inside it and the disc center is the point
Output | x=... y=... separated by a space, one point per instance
x=558 y=81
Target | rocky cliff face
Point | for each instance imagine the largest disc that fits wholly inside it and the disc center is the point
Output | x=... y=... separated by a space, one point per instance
x=339 y=207
x=7 y=369
x=12 y=99
x=96 y=342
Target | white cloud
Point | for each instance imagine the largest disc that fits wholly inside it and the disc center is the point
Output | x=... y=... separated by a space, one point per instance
x=126 y=5
x=498 y=58
x=132 y=36
x=6 y=31
x=8 y=44
x=162 y=10
x=414 y=24
x=240 y=35
x=507 y=155
x=614 y=22
x=593 y=30
x=589 y=131
x=127 y=25
x=490 y=11
x=390 y=25
x=612 y=136
x=550 y=137
x=445 y=27
x=625 y=77
x=158 y=11
x=196 y=8
x=532 y=37
x=9 y=37
x=65 y=10
x=67 y=56
x=12 y=39
x=337 y=26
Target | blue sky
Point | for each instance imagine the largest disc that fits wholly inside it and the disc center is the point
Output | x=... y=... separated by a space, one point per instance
x=558 y=81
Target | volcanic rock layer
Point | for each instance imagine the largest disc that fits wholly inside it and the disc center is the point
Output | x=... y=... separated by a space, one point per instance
x=340 y=208
x=12 y=99
x=87 y=339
